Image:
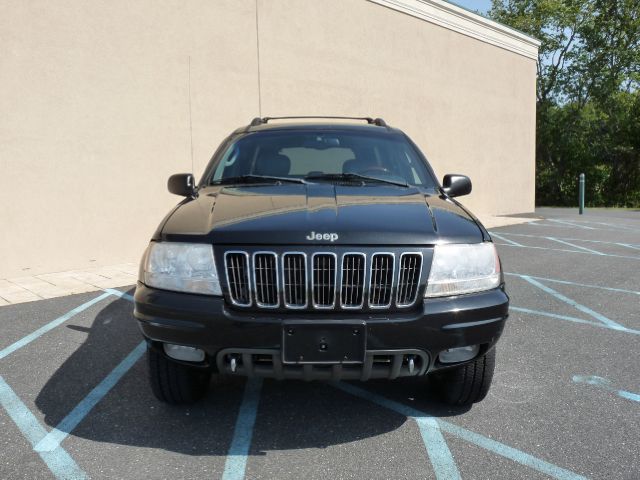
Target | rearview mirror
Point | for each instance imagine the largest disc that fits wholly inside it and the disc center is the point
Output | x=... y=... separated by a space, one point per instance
x=182 y=184
x=456 y=185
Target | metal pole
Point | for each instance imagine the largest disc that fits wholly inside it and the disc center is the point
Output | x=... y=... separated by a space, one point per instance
x=581 y=193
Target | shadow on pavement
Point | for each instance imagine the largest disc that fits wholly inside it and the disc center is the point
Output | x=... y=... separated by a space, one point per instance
x=296 y=414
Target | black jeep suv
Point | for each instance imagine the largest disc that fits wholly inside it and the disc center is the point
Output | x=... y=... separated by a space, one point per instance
x=323 y=250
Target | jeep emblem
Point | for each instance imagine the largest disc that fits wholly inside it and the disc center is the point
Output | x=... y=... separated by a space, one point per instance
x=332 y=237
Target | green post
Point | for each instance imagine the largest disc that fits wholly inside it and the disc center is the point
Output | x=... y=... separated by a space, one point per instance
x=581 y=193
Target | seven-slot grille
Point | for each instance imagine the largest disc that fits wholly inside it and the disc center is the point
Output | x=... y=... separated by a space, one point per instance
x=352 y=280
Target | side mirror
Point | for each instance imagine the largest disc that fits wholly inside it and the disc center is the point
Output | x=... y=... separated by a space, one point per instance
x=456 y=185
x=182 y=184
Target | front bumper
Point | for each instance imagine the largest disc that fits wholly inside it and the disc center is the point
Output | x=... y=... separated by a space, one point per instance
x=254 y=338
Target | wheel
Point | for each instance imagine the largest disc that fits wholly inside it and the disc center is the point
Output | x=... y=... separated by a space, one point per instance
x=175 y=383
x=468 y=383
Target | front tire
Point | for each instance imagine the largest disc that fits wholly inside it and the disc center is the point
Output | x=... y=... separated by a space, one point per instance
x=468 y=383
x=175 y=383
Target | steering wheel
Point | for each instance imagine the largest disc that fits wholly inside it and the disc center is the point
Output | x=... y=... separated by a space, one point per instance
x=376 y=168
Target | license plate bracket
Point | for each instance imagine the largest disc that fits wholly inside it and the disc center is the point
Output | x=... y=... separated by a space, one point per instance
x=323 y=342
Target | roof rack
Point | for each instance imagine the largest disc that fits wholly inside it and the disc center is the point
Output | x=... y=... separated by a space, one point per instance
x=371 y=121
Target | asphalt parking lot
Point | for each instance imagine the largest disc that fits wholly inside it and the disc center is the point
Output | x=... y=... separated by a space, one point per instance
x=565 y=402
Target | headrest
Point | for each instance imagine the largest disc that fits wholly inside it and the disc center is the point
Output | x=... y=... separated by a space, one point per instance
x=274 y=164
x=355 y=165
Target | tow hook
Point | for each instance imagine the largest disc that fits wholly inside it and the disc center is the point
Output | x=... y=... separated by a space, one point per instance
x=234 y=364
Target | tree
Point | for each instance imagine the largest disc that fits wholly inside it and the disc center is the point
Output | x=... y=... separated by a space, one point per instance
x=588 y=99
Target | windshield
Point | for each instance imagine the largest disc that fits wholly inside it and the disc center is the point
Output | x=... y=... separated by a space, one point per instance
x=322 y=156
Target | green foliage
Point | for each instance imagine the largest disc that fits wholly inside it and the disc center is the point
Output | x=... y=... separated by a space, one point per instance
x=588 y=96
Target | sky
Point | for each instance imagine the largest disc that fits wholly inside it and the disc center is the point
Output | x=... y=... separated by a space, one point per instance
x=482 y=6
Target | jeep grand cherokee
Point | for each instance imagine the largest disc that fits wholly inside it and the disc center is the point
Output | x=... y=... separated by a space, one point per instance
x=323 y=250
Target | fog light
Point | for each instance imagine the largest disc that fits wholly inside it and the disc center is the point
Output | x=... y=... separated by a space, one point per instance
x=459 y=354
x=180 y=352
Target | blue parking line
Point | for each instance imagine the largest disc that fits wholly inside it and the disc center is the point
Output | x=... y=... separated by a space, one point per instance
x=493 y=234
x=56 y=436
x=438 y=451
x=572 y=319
x=573 y=303
x=50 y=326
x=467 y=435
x=572 y=224
x=554 y=239
x=629 y=396
x=511 y=453
x=541 y=248
x=539 y=223
x=606 y=384
x=442 y=461
x=118 y=293
x=236 y=463
x=58 y=460
x=567 y=282
x=563 y=224
x=570 y=251
x=619 y=226
x=527 y=235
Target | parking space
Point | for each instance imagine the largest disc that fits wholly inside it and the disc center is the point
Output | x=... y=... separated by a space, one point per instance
x=565 y=402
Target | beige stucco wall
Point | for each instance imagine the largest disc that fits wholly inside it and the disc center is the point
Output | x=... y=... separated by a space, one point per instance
x=95 y=107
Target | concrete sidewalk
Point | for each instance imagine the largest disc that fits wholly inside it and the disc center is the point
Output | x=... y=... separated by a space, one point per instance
x=51 y=285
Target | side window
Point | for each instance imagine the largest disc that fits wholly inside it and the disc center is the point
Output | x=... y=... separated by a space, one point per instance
x=412 y=169
x=227 y=163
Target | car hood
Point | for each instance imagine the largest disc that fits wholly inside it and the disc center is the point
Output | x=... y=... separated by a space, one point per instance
x=296 y=213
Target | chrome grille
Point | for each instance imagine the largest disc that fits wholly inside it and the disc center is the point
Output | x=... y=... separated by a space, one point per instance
x=237 y=266
x=381 y=281
x=294 y=266
x=324 y=280
x=408 y=278
x=265 y=277
x=352 y=288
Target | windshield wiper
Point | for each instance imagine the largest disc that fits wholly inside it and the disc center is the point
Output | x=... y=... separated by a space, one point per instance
x=356 y=176
x=250 y=178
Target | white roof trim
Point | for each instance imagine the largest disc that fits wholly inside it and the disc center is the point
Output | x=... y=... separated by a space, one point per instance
x=467 y=23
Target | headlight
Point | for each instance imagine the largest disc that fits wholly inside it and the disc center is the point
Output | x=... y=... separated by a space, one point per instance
x=462 y=268
x=184 y=267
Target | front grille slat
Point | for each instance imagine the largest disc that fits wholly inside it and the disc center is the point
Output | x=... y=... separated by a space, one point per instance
x=265 y=274
x=408 y=278
x=324 y=280
x=351 y=280
x=295 y=280
x=237 y=267
x=352 y=287
x=381 y=284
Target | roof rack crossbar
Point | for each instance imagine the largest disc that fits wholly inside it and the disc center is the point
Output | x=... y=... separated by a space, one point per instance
x=371 y=121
